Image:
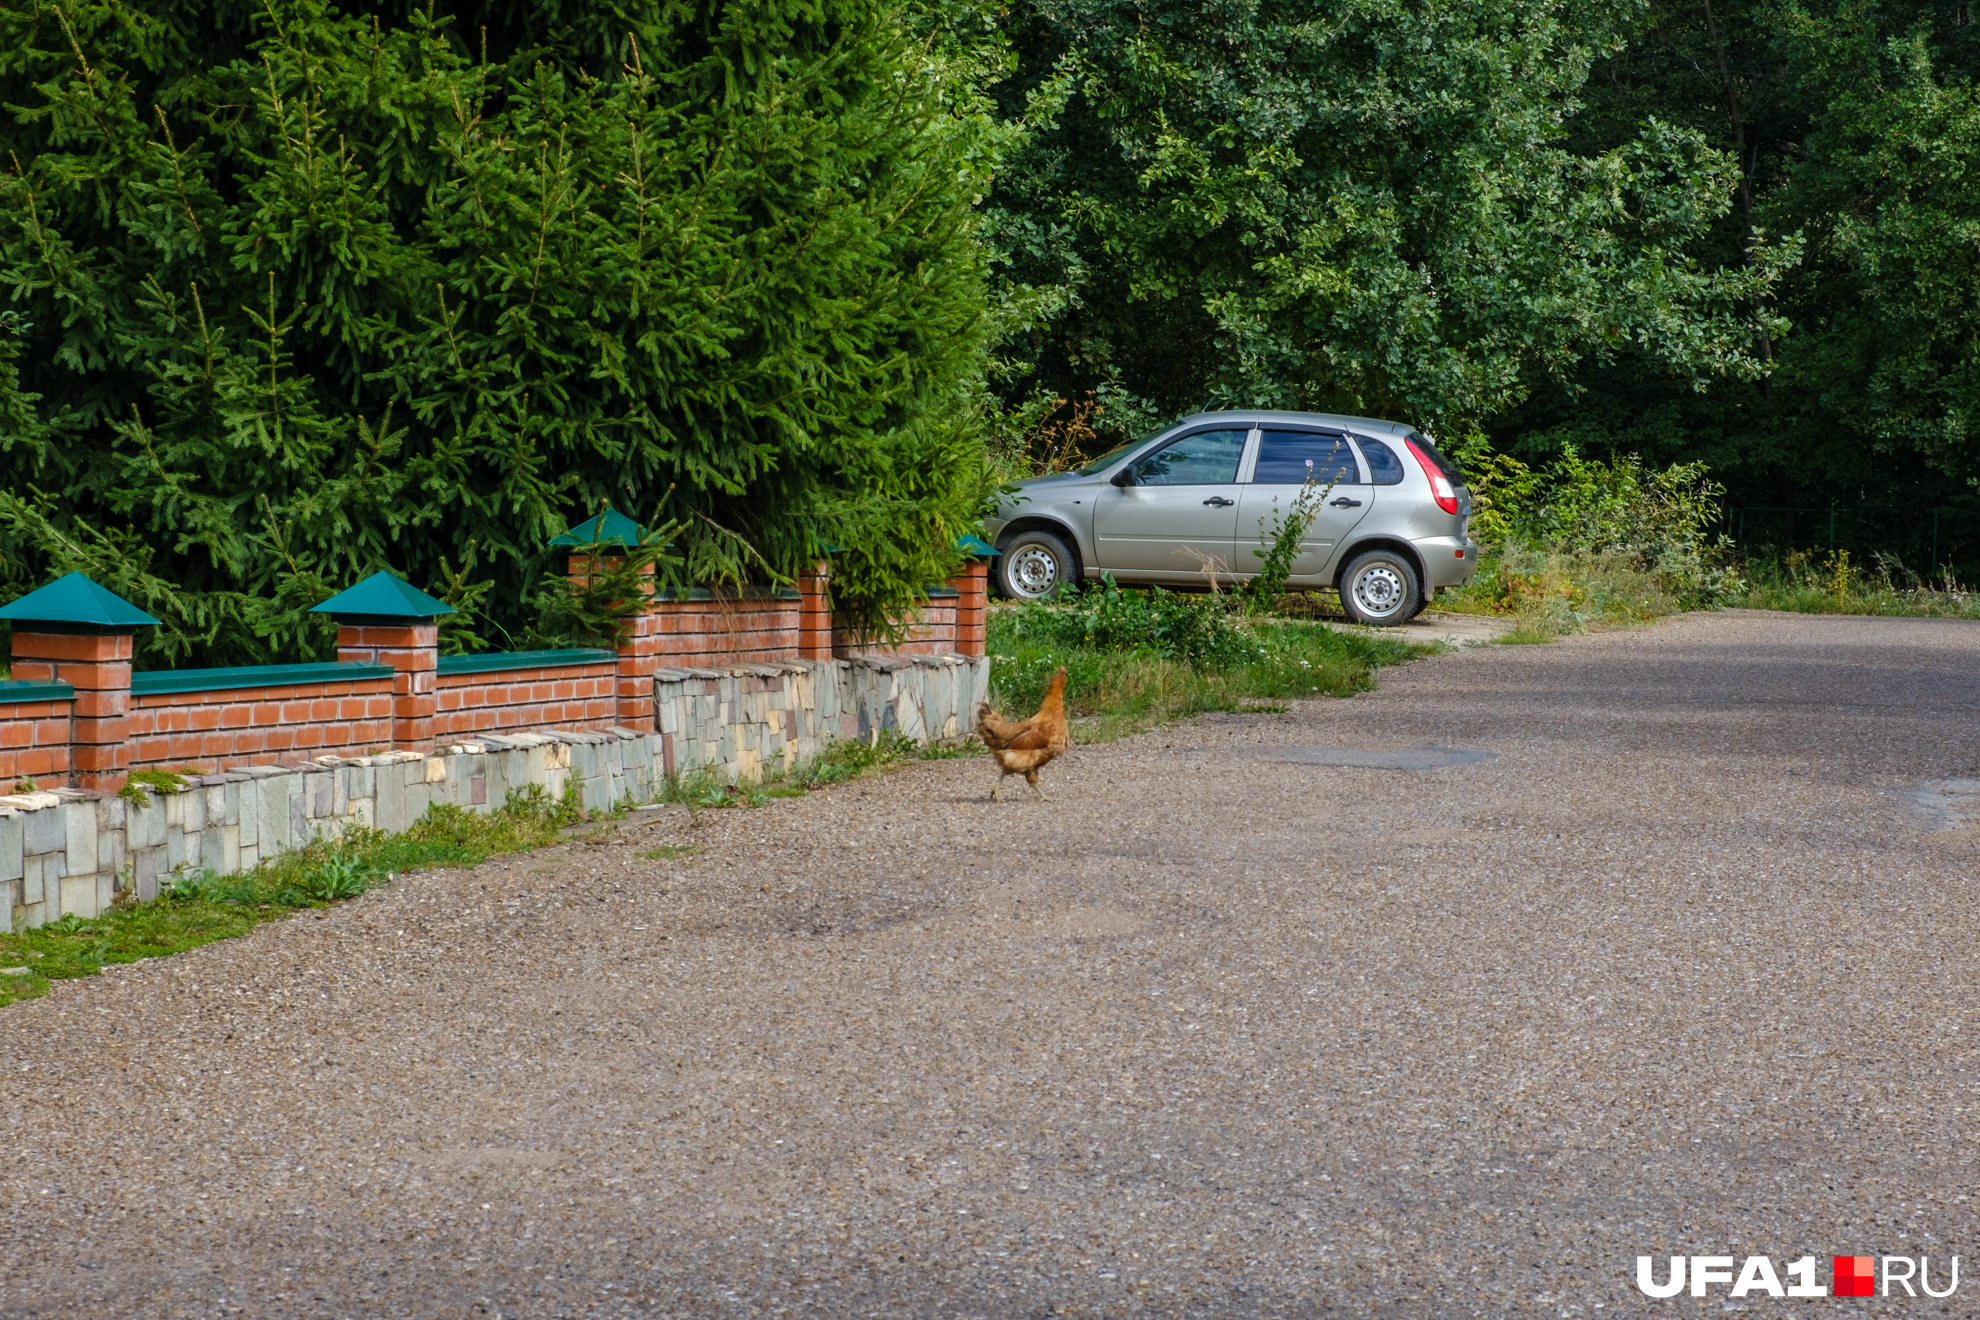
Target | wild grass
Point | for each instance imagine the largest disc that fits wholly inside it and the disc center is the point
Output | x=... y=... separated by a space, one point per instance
x=1551 y=593
x=1136 y=671
x=704 y=789
x=1815 y=582
x=202 y=907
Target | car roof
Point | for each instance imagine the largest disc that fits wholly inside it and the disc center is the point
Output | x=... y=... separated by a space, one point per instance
x=1259 y=416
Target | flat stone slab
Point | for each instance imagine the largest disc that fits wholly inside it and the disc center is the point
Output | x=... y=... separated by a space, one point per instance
x=1409 y=758
x=1946 y=804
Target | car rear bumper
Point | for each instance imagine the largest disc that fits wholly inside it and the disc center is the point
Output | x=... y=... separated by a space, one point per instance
x=1448 y=561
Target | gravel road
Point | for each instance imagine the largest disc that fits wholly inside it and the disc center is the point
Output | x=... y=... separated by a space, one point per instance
x=1689 y=968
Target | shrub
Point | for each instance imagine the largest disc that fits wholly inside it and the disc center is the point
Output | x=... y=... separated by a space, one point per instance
x=1610 y=518
x=1195 y=629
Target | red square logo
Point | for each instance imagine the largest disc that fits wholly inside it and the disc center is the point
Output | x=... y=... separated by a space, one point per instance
x=1856 y=1276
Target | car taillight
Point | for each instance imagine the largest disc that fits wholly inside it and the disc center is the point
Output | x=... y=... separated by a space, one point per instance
x=1440 y=485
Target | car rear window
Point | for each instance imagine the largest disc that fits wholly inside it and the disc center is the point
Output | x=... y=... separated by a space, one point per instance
x=1444 y=465
x=1384 y=464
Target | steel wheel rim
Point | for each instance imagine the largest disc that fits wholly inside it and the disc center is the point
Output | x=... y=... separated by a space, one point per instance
x=1379 y=591
x=1034 y=571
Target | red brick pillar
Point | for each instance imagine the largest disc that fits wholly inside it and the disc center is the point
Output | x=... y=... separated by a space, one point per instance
x=815 y=612
x=639 y=649
x=972 y=588
x=98 y=667
x=412 y=647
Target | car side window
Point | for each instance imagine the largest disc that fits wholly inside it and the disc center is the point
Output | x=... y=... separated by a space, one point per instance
x=1288 y=458
x=1207 y=458
x=1384 y=466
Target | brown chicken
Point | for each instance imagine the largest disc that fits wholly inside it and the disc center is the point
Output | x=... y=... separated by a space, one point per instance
x=1024 y=747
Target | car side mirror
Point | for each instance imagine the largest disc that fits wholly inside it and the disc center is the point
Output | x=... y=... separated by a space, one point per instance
x=1125 y=477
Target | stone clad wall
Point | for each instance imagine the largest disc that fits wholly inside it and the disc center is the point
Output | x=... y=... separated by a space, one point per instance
x=79 y=850
x=736 y=722
x=75 y=850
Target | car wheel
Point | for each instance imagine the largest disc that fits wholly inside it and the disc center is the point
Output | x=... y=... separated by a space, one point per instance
x=1380 y=589
x=1034 y=564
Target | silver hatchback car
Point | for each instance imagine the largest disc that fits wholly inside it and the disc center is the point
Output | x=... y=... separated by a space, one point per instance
x=1389 y=535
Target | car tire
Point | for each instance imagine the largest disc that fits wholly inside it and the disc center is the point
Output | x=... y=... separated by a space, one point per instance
x=1033 y=564
x=1380 y=589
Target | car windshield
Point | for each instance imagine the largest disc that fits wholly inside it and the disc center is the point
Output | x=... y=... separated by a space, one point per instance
x=1116 y=453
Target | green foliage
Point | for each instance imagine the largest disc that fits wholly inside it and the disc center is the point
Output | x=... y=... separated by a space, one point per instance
x=141 y=784
x=1280 y=544
x=337 y=879
x=597 y=608
x=1362 y=207
x=1193 y=629
x=1617 y=513
x=294 y=293
x=1856 y=124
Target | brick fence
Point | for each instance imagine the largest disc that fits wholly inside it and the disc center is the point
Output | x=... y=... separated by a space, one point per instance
x=76 y=715
x=78 y=851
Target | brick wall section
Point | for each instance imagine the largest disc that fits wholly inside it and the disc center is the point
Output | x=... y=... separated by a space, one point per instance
x=972 y=588
x=566 y=696
x=720 y=627
x=75 y=851
x=34 y=741
x=639 y=650
x=204 y=731
x=815 y=612
x=746 y=630
x=98 y=666
x=933 y=634
x=413 y=650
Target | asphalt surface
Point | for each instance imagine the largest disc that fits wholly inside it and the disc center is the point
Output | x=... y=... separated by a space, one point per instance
x=1689 y=967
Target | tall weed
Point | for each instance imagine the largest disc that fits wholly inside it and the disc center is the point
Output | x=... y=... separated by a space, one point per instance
x=1816 y=582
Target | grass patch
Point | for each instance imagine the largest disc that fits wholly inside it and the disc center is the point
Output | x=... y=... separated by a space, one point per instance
x=143 y=783
x=1551 y=593
x=1146 y=666
x=1813 y=582
x=199 y=908
x=672 y=852
x=840 y=761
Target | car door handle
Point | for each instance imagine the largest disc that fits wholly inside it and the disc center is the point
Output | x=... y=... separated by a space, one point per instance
x=1345 y=503
x=1219 y=502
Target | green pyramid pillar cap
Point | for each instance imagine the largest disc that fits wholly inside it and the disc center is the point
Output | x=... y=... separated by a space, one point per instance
x=609 y=528
x=76 y=603
x=974 y=546
x=385 y=597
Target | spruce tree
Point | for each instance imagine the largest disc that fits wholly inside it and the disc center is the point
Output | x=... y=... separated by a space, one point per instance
x=290 y=293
